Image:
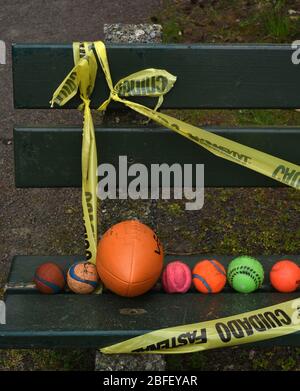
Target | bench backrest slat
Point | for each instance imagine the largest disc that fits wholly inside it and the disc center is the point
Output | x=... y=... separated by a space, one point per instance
x=51 y=157
x=209 y=76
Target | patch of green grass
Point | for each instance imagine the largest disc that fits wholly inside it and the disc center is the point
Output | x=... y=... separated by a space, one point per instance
x=276 y=22
x=171 y=31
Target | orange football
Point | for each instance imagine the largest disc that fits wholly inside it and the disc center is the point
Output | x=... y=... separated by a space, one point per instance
x=129 y=258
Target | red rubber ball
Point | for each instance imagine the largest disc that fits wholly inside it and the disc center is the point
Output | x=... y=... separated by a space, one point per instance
x=49 y=278
x=285 y=276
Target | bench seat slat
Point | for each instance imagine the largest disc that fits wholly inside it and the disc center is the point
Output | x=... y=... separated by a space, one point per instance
x=51 y=157
x=99 y=320
x=85 y=321
x=209 y=76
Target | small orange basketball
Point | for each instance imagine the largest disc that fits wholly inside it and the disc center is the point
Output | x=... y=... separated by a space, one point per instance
x=129 y=258
x=209 y=276
x=82 y=277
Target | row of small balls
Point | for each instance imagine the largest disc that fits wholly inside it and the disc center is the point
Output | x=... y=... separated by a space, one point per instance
x=82 y=277
x=245 y=274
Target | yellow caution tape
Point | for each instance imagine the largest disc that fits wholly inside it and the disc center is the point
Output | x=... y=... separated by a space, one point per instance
x=262 y=324
x=138 y=84
x=83 y=77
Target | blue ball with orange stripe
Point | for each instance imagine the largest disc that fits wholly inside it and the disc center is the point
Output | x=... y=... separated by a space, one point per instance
x=82 y=277
x=209 y=276
x=49 y=278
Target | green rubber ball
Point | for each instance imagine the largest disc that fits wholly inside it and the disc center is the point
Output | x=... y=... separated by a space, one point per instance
x=245 y=274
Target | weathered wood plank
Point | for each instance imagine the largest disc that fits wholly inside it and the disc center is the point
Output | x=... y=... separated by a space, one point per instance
x=96 y=321
x=209 y=76
x=51 y=157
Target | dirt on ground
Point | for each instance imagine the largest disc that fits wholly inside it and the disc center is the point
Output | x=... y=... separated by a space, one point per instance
x=236 y=21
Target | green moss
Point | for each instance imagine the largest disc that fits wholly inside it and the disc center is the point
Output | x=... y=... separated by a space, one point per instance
x=287 y=363
x=43 y=359
x=270 y=117
x=237 y=358
x=174 y=209
x=234 y=221
x=11 y=360
x=261 y=363
x=111 y=212
x=235 y=118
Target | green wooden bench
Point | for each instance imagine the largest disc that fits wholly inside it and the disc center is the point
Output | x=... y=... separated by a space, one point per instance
x=209 y=76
